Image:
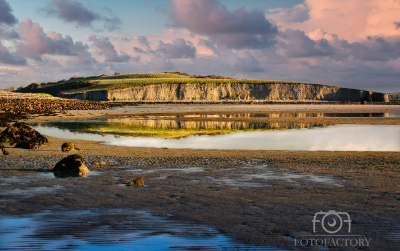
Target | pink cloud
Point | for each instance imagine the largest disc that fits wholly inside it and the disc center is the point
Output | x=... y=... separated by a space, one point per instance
x=350 y=20
x=37 y=43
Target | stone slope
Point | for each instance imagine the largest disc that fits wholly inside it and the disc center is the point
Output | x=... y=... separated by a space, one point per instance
x=236 y=91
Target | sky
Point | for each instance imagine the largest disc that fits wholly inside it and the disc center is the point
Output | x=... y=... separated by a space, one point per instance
x=347 y=43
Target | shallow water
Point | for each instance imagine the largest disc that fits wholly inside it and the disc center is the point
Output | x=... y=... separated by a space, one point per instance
x=31 y=191
x=395 y=236
x=167 y=128
x=250 y=176
x=25 y=179
x=39 y=176
x=111 y=230
x=329 y=138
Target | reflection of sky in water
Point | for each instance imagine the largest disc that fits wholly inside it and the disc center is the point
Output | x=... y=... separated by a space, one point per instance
x=250 y=180
x=246 y=179
x=290 y=114
x=91 y=231
x=331 y=138
x=395 y=236
x=31 y=191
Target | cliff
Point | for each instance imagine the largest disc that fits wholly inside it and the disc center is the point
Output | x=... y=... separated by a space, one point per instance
x=235 y=91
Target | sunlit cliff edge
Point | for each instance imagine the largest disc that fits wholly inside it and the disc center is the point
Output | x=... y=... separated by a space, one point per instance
x=235 y=91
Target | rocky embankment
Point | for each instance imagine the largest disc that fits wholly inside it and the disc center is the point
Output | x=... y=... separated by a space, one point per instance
x=236 y=91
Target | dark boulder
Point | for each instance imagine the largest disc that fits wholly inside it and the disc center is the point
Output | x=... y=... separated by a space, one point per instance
x=72 y=165
x=26 y=145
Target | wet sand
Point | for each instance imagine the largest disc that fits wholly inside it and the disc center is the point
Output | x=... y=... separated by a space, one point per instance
x=260 y=197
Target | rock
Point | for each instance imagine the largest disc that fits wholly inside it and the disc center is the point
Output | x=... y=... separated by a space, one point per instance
x=98 y=163
x=7 y=117
x=22 y=136
x=72 y=165
x=15 y=109
x=2 y=150
x=26 y=145
x=66 y=147
x=136 y=182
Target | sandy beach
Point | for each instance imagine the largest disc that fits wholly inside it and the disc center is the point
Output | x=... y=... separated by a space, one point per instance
x=259 y=197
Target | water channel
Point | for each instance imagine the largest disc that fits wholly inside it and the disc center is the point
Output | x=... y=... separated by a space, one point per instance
x=173 y=132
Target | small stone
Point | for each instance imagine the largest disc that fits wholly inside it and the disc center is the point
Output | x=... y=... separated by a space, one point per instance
x=136 y=182
x=98 y=163
x=66 y=147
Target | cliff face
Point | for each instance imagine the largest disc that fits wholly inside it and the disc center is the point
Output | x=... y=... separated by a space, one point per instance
x=236 y=91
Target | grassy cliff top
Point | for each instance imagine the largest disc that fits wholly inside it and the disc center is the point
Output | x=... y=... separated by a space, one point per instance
x=103 y=82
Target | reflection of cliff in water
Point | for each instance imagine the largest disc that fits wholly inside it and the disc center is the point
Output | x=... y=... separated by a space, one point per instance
x=171 y=128
x=291 y=115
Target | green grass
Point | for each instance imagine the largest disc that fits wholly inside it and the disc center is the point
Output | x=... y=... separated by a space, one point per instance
x=145 y=75
x=43 y=94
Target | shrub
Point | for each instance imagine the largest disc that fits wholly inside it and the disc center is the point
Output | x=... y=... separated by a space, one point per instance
x=178 y=73
x=30 y=88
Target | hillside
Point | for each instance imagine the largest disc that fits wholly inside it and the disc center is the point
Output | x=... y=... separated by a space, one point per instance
x=76 y=85
x=184 y=87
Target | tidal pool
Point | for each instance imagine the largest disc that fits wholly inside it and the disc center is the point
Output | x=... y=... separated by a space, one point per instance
x=167 y=128
x=162 y=133
x=111 y=230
